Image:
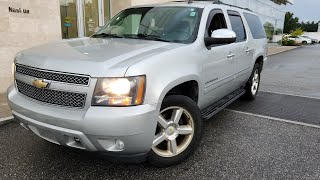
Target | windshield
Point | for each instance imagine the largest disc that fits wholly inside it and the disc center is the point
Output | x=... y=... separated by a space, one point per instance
x=169 y=24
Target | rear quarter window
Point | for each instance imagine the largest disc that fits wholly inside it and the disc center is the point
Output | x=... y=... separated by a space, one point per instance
x=255 y=26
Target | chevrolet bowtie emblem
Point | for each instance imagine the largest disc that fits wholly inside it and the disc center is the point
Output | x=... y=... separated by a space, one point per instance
x=40 y=84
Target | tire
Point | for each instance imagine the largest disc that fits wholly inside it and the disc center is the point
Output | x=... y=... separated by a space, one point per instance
x=164 y=154
x=304 y=42
x=253 y=84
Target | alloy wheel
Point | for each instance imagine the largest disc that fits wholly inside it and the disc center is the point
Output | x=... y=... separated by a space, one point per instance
x=255 y=82
x=175 y=130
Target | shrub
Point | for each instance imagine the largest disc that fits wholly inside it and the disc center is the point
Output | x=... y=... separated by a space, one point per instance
x=269 y=28
x=286 y=42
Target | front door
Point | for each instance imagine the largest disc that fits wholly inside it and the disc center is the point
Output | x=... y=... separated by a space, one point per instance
x=219 y=67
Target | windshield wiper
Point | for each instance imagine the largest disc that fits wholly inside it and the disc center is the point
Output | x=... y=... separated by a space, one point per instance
x=152 y=37
x=106 y=35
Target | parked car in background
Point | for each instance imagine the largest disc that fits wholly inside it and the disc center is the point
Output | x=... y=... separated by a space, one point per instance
x=300 y=40
x=313 y=40
x=141 y=87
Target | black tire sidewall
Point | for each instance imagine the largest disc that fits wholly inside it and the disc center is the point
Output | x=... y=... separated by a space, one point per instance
x=189 y=105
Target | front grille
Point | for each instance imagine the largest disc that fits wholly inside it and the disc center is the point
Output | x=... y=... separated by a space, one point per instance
x=55 y=97
x=53 y=76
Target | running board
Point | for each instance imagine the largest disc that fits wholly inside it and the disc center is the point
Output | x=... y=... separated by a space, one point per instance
x=213 y=109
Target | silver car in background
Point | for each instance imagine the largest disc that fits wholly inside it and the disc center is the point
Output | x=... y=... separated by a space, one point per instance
x=141 y=87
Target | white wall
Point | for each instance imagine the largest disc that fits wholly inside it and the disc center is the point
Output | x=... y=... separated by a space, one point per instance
x=315 y=35
x=20 y=31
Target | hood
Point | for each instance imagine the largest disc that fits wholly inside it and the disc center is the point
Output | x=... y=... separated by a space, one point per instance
x=93 y=56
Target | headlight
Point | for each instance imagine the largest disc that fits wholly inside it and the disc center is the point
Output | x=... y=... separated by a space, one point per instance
x=119 y=91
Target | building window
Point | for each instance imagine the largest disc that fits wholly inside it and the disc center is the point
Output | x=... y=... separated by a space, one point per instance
x=80 y=18
x=68 y=12
x=106 y=11
x=91 y=16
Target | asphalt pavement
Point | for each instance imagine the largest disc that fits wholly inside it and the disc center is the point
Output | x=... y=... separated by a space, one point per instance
x=294 y=72
x=234 y=145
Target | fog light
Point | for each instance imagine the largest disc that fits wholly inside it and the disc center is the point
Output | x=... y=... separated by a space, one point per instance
x=119 y=144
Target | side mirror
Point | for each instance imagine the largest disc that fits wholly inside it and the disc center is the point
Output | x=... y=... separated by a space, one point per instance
x=221 y=36
x=97 y=29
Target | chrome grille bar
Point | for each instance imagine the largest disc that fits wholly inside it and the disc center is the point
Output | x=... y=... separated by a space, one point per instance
x=53 y=76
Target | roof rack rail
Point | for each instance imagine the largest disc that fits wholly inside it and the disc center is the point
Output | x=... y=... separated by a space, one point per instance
x=219 y=2
x=214 y=2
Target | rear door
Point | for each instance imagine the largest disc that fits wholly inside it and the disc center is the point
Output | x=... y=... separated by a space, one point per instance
x=257 y=39
x=243 y=53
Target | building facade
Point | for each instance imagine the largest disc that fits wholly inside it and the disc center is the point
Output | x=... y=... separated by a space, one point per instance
x=28 y=23
x=271 y=13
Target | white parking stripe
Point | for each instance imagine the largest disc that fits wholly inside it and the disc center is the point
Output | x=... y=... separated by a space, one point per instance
x=290 y=94
x=274 y=119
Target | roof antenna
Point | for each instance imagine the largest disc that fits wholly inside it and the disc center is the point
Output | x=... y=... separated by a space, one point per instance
x=190 y=1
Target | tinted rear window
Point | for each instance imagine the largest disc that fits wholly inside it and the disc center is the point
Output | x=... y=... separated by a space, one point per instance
x=255 y=26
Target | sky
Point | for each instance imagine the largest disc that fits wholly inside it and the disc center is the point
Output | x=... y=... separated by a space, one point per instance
x=306 y=10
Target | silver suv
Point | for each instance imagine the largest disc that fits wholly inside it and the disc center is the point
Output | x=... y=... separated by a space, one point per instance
x=141 y=86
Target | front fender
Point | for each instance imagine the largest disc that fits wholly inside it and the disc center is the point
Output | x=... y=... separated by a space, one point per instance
x=167 y=70
x=175 y=83
x=160 y=82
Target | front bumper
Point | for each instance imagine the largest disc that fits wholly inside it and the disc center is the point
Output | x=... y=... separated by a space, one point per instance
x=92 y=129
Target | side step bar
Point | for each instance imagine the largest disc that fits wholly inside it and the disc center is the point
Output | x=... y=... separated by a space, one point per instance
x=213 y=109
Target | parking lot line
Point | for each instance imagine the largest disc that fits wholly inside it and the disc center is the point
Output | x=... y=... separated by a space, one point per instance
x=274 y=119
x=288 y=94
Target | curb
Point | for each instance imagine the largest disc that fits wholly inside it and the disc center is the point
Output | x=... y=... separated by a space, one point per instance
x=6 y=120
x=283 y=51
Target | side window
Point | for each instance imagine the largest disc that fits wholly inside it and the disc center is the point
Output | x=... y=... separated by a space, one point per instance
x=255 y=26
x=216 y=21
x=237 y=26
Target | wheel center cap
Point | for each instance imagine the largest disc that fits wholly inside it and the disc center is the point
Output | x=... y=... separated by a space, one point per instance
x=171 y=132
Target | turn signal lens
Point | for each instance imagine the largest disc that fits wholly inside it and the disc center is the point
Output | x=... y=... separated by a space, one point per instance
x=13 y=68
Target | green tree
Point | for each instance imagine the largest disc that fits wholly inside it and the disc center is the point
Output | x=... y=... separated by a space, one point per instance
x=309 y=26
x=291 y=23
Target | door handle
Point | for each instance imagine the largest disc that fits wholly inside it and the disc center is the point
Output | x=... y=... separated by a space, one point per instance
x=231 y=55
x=248 y=50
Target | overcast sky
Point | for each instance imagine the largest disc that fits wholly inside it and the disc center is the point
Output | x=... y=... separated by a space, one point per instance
x=306 y=10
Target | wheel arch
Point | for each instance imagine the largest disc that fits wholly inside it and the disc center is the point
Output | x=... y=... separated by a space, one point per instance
x=259 y=60
x=192 y=80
